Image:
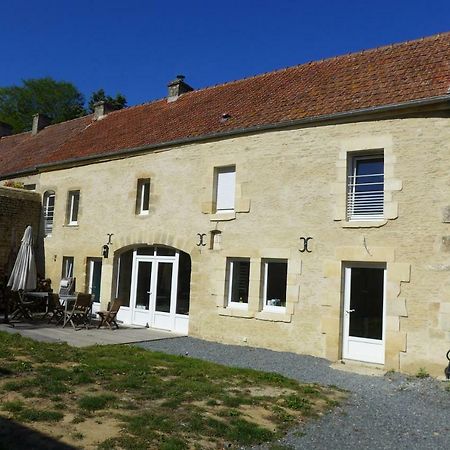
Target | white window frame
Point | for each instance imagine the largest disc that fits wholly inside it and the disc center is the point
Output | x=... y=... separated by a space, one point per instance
x=49 y=212
x=143 y=186
x=225 y=189
x=265 y=272
x=72 y=196
x=230 y=267
x=372 y=201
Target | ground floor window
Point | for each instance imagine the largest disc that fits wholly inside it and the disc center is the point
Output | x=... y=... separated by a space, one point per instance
x=238 y=276
x=274 y=284
x=67 y=267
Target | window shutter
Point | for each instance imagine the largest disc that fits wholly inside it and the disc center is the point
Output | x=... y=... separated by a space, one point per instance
x=226 y=179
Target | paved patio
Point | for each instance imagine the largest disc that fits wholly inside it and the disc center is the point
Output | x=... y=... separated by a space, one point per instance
x=84 y=337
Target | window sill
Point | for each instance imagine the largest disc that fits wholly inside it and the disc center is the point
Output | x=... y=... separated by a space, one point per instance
x=231 y=311
x=273 y=316
x=71 y=225
x=364 y=223
x=224 y=216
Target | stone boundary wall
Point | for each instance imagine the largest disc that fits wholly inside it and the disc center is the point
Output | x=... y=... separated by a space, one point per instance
x=18 y=208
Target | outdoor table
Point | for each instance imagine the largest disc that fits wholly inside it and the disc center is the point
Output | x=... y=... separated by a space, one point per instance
x=38 y=297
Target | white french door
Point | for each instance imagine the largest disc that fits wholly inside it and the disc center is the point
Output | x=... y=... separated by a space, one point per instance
x=154 y=293
x=364 y=313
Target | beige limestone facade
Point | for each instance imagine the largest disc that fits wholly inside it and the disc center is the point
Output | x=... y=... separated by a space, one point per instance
x=289 y=184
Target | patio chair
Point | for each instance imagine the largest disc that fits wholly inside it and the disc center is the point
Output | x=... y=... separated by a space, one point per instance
x=109 y=317
x=80 y=312
x=55 y=309
x=24 y=307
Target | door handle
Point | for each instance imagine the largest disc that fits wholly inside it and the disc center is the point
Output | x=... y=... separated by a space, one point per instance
x=348 y=311
x=149 y=292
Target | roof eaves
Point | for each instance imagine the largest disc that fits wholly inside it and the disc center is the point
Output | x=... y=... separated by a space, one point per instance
x=123 y=153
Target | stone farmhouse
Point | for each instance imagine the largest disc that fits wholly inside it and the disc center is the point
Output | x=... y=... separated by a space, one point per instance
x=303 y=210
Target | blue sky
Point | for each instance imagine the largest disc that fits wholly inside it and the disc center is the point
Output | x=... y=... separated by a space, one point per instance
x=136 y=47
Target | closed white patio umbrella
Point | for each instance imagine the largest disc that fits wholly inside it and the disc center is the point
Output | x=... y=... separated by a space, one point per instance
x=23 y=276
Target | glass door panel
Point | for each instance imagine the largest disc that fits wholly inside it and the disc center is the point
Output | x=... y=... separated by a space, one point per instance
x=164 y=287
x=144 y=278
x=366 y=303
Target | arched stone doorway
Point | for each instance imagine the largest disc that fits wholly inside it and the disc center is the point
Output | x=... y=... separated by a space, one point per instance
x=154 y=284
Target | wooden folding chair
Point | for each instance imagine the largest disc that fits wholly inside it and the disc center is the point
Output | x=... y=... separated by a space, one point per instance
x=109 y=317
x=24 y=307
x=55 y=309
x=80 y=312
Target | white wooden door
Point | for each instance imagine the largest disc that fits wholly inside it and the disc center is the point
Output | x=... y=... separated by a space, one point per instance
x=364 y=313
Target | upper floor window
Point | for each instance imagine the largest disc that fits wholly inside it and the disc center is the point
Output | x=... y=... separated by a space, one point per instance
x=238 y=271
x=225 y=181
x=73 y=204
x=274 y=279
x=49 y=211
x=143 y=196
x=365 y=188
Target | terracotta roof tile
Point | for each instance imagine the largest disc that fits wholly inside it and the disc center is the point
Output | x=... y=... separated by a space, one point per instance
x=384 y=76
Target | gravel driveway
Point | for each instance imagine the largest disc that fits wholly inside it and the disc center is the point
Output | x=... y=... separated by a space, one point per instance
x=392 y=411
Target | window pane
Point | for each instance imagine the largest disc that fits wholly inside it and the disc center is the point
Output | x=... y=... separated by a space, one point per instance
x=149 y=251
x=144 y=277
x=164 y=287
x=239 y=277
x=67 y=267
x=226 y=180
x=49 y=209
x=124 y=281
x=145 y=195
x=366 y=301
x=365 y=198
x=184 y=284
x=276 y=283
x=74 y=200
x=165 y=251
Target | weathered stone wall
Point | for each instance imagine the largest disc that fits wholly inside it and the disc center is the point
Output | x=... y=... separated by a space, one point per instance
x=290 y=183
x=18 y=208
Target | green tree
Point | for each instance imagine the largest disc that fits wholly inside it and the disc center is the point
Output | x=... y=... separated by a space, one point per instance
x=59 y=100
x=118 y=102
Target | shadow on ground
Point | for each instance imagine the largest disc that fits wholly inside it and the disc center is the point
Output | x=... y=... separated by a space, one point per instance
x=14 y=436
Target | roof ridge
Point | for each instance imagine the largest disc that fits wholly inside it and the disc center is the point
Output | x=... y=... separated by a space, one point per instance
x=319 y=61
x=283 y=69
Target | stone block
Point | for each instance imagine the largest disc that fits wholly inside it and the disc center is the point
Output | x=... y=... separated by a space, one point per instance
x=397 y=272
x=332 y=269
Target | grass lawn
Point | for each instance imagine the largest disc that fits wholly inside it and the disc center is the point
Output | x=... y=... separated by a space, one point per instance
x=123 y=397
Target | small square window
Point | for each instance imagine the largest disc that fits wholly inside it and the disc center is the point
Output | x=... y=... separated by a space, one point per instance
x=224 y=189
x=274 y=279
x=143 y=196
x=238 y=276
x=73 y=204
x=365 y=188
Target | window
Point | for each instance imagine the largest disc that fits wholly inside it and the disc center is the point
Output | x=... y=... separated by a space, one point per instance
x=274 y=276
x=67 y=267
x=365 y=188
x=238 y=271
x=143 y=196
x=225 y=180
x=49 y=211
x=72 y=207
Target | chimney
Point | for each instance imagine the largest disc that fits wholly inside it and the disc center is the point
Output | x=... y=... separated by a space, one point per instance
x=40 y=121
x=177 y=87
x=102 y=109
x=5 y=129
